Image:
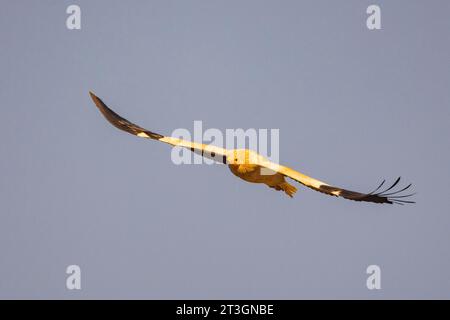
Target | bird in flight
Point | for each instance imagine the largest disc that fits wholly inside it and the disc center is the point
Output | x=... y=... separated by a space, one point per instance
x=252 y=167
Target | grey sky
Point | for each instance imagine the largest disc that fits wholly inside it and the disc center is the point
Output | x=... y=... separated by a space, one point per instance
x=353 y=107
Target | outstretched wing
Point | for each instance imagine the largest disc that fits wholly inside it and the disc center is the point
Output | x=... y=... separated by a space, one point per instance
x=209 y=151
x=375 y=196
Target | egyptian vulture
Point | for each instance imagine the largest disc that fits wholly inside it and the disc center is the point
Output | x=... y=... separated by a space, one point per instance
x=252 y=167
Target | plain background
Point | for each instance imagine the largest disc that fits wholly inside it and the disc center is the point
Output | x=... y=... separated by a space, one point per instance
x=353 y=106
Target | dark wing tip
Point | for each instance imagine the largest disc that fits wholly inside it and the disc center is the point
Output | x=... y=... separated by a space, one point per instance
x=119 y=122
x=103 y=107
x=393 y=197
x=98 y=102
